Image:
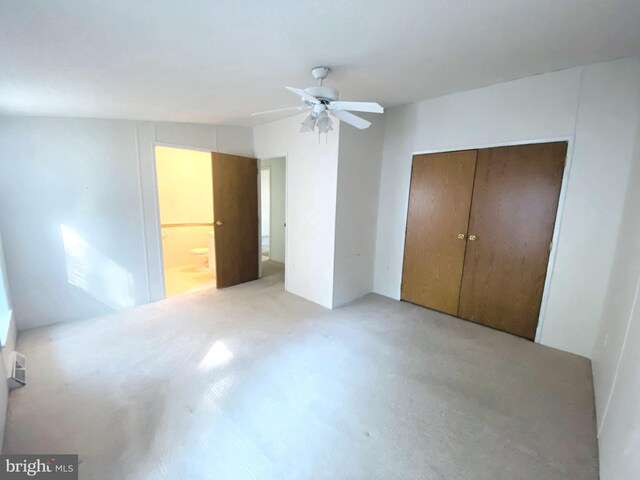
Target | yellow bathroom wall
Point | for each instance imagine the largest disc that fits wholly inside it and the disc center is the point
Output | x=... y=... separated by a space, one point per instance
x=177 y=241
x=185 y=197
x=185 y=193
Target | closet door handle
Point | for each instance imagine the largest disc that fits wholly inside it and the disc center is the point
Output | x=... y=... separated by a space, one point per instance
x=461 y=236
x=472 y=238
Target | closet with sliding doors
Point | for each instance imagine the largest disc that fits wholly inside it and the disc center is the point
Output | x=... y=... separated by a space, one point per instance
x=479 y=232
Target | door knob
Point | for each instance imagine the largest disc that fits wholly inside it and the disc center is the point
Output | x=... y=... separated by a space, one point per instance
x=461 y=236
x=472 y=237
x=218 y=222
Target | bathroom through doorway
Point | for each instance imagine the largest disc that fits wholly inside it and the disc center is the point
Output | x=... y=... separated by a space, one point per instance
x=185 y=203
x=208 y=206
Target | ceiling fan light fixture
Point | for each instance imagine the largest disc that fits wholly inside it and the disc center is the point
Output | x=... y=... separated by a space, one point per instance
x=308 y=124
x=324 y=123
x=324 y=128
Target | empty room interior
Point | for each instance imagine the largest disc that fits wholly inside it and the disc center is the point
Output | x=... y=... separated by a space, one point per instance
x=320 y=240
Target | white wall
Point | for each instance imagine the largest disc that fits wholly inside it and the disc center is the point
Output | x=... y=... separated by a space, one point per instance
x=278 y=204
x=79 y=207
x=70 y=203
x=360 y=159
x=605 y=133
x=4 y=400
x=8 y=331
x=312 y=168
x=8 y=339
x=616 y=356
x=594 y=108
x=6 y=312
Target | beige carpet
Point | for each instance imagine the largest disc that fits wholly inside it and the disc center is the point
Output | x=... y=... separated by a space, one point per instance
x=271 y=268
x=254 y=383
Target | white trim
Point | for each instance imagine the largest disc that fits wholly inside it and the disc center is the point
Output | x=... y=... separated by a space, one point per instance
x=259 y=169
x=632 y=313
x=555 y=239
x=158 y=222
x=181 y=147
x=152 y=239
x=565 y=138
x=158 y=225
x=558 y=221
x=143 y=226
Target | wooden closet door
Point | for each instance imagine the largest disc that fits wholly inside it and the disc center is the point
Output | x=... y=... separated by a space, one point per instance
x=439 y=203
x=515 y=199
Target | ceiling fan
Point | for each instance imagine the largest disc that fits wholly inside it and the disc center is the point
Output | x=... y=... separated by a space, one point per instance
x=323 y=101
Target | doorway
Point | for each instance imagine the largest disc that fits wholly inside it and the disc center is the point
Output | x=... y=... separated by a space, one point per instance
x=185 y=193
x=208 y=210
x=273 y=214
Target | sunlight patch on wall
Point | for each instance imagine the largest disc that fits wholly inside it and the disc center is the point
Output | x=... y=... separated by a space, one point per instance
x=95 y=273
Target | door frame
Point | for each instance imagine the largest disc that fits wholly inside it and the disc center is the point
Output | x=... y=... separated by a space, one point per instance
x=558 y=220
x=286 y=210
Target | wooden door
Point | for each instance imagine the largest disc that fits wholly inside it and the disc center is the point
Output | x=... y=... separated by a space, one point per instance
x=439 y=202
x=235 y=212
x=515 y=199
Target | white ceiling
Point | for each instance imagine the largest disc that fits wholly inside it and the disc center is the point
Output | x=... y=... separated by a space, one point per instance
x=216 y=61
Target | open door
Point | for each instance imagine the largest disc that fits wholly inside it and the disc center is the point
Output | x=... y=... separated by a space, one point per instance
x=235 y=213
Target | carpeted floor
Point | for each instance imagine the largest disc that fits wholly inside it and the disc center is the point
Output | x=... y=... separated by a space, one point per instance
x=251 y=382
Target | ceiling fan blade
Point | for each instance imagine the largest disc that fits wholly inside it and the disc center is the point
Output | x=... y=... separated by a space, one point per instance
x=267 y=112
x=304 y=95
x=371 y=107
x=351 y=119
